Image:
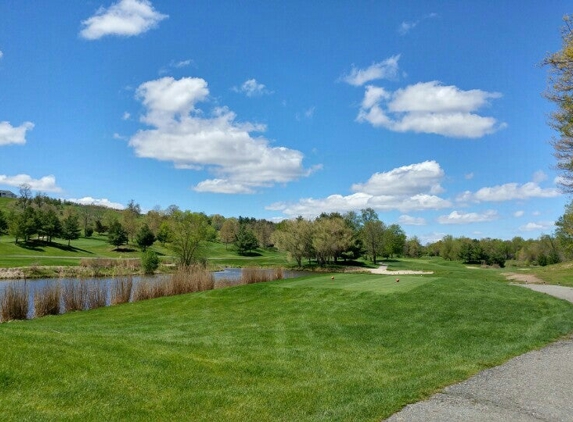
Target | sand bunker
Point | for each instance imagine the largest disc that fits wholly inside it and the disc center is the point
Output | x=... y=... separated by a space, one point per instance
x=383 y=269
x=525 y=278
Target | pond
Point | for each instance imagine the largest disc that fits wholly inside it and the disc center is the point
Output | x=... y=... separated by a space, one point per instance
x=104 y=285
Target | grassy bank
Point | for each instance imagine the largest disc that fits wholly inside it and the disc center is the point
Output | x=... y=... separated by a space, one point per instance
x=356 y=347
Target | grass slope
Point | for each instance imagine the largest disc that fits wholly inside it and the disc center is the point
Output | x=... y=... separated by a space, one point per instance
x=311 y=349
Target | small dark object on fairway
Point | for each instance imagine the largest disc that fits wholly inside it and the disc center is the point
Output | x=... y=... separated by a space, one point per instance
x=397 y=280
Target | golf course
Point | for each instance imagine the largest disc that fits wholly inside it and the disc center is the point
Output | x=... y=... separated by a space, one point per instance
x=325 y=347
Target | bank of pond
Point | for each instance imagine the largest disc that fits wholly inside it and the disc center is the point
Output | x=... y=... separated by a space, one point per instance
x=26 y=299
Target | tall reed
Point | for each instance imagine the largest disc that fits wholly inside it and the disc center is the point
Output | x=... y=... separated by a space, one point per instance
x=47 y=300
x=14 y=302
x=121 y=290
x=251 y=275
x=188 y=279
x=96 y=294
x=74 y=294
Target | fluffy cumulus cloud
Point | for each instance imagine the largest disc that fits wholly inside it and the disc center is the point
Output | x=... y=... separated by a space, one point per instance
x=193 y=139
x=125 y=18
x=14 y=134
x=103 y=202
x=408 y=188
x=44 y=184
x=509 y=192
x=251 y=88
x=456 y=217
x=386 y=69
x=429 y=107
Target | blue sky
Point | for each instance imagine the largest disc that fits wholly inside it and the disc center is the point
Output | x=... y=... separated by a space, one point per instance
x=430 y=112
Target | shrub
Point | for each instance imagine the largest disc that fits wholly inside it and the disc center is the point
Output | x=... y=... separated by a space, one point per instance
x=14 y=302
x=250 y=275
x=149 y=261
x=47 y=300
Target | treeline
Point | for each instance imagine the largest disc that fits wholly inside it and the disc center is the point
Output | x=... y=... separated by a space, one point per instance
x=546 y=250
x=328 y=239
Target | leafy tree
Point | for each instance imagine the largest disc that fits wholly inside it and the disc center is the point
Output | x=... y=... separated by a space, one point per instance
x=413 y=248
x=129 y=219
x=560 y=92
x=23 y=223
x=372 y=233
x=564 y=229
x=71 y=228
x=164 y=233
x=295 y=237
x=189 y=234
x=3 y=223
x=245 y=241
x=229 y=231
x=116 y=234
x=394 y=240
x=331 y=237
x=145 y=237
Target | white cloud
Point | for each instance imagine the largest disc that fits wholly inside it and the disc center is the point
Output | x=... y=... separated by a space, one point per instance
x=1 y=54
x=192 y=139
x=406 y=27
x=14 y=134
x=468 y=176
x=124 y=18
x=429 y=107
x=405 y=180
x=44 y=184
x=386 y=69
x=411 y=221
x=407 y=188
x=539 y=176
x=103 y=202
x=456 y=217
x=126 y=116
x=539 y=226
x=182 y=63
x=518 y=214
x=251 y=88
x=509 y=192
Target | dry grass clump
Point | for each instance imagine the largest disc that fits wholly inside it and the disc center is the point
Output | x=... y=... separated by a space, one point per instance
x=96 y=293
x=47 y=300
x=14 y=302
x=121 y=290
x=74 y=294
x=189 y=279
x=143 y=290
x=99 y=266
x=251 y=275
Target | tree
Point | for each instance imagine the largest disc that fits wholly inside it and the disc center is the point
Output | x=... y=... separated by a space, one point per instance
x=164 y=233
x=564 y=230
x=189 y=234
x=49 y=223
x=245 y=241
x=144 y=237
x=3 y=224
x=560 y=92
x=331 y=237
x=71 y=228
x=116 y=234
x=394 y=240
x=372 y=233
x=229 y=231
x=294 y=237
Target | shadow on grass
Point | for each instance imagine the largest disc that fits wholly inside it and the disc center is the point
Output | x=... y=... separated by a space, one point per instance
x=39 y=245
x=251 y=254
x=124 y=250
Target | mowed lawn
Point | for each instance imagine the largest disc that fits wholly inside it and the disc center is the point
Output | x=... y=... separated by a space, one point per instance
x=356 y=348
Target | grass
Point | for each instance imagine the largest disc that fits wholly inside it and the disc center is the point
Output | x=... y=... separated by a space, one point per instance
x=358 y=347
x=553 y=274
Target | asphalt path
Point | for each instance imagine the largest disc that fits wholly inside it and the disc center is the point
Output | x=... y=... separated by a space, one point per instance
x=536 y=386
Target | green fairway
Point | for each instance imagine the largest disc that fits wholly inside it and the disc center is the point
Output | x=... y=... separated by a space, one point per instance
x=355 y=348
x=383 y=284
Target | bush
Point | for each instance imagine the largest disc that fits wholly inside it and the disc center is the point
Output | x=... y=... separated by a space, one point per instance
x=149 y=261
x=121 y=290
x=14 y=302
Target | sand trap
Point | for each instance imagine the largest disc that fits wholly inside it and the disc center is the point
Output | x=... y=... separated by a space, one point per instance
x=383 y=269
x=525 y=278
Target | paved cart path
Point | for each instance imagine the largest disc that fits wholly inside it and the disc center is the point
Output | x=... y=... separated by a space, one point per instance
x=536 y=386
